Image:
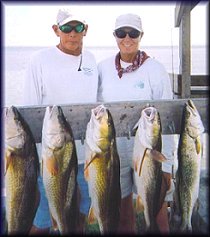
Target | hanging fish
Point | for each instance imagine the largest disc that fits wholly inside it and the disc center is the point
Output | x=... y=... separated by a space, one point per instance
x=60 y=167
x=147 y=159
x=102 y=170
x=188 y=172
x=22 y=170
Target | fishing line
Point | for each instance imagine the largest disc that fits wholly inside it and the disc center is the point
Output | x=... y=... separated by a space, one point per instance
x=172 y=57
x=172 y=50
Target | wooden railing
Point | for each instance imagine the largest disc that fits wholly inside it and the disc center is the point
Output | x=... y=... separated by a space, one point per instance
x=125 y=116
x=199 y=85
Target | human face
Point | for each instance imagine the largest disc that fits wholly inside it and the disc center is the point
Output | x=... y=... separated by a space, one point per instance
x=128 y=46
x=70 y=43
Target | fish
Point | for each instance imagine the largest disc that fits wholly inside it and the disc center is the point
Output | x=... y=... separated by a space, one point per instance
x=21 y=173
x=147 y=165
x=60 y=168
x=190 y=149
x=102 y=170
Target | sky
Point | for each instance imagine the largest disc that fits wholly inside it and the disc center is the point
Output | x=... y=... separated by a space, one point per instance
x=30 y=24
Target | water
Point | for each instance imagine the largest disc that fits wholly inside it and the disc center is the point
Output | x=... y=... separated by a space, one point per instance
x=16 y=59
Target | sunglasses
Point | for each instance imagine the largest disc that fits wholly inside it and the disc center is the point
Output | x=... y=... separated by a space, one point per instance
x=68 y=28
x=122 y=34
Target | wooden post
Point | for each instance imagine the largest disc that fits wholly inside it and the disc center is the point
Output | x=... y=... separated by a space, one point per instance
x=185 y=54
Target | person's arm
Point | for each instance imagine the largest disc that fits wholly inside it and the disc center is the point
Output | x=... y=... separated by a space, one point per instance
x=167 y=88
x=160 y=82
x=32 y=91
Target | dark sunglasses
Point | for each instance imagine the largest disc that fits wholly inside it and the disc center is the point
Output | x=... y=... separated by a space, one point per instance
x=122 y=34
x=68 y=28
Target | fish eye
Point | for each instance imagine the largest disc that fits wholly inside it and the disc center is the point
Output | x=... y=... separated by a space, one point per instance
x=57 y=148
x=187 y=114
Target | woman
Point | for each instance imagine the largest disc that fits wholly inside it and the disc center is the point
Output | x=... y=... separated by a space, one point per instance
x=128 y=76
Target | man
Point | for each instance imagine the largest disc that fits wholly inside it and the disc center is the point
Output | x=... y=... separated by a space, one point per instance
x=62 y=74
x=133 y=75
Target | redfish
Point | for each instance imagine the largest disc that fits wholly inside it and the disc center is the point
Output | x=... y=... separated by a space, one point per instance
x=22 y=170
x=147 y=160
x=102 y=170
x=60 y=167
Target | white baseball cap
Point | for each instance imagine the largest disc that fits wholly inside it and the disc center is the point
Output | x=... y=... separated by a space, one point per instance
x=65 y=15
x=129 y=20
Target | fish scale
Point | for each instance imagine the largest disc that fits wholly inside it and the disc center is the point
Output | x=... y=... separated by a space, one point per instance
x=99 y=177
x=22 y=169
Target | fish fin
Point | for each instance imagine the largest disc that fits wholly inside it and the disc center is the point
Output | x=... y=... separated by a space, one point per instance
x=8 y=160
x=198 y=145
x=86 y=173
x=91 y=216
x=139 y=205
x=52 y=165
x=87 y=163
x=54 y=223
x=136 y=125
x=135 y=165
x=158 y=156
x=142 y=160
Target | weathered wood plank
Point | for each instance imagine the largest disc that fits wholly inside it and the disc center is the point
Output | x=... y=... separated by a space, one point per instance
x=180 y=8
x=125 y=116
x=199 y=84
x=185 y=53
x=199 y=80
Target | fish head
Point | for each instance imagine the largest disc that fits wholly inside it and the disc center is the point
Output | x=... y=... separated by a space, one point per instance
x=13 y=127
x=149 y=127
x=100 y=129
x=105 y=122
x=193 y=122
x=54 y=129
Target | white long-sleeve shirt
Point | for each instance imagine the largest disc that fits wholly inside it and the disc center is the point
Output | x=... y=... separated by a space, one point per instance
x=52 y=77
x=149 y=82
